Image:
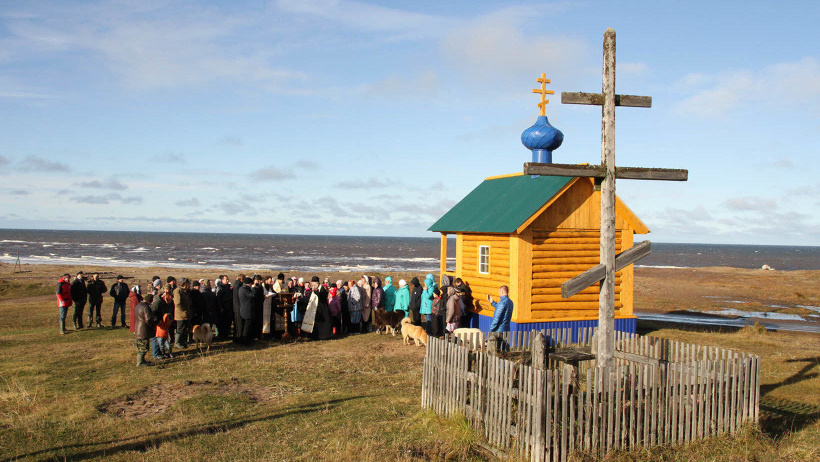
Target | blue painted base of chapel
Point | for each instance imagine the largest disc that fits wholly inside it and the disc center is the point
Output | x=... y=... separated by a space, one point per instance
x=629 y=325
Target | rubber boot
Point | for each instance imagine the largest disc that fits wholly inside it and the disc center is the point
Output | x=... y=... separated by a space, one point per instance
x=76 y=327
x=141 y=359
x=62 y=327
x=178 y=341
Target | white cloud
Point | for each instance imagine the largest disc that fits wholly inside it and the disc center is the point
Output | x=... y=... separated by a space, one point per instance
x=38 y=164
x=714 y=96
x=149 y=46
x=495 y=46
x=111 y=183
x=399 y=24
x=749 y=203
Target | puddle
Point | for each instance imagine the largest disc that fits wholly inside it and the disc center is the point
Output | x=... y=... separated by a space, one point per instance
x=756 y=314
x=703 y=319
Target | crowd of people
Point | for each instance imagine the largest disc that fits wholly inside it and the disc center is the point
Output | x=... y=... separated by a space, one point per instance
x=260 y=307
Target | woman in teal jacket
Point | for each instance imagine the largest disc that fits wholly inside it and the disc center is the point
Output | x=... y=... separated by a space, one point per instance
x=426 y=308
x=389 y=294
x=402 y=298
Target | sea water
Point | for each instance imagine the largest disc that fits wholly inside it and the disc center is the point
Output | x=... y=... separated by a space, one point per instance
x=306 y=253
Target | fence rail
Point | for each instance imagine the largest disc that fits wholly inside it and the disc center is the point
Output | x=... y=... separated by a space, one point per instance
x=660 y=392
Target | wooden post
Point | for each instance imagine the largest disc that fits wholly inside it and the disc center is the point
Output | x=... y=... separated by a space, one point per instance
x=606 y=300
x=539 y=352
x=443 y=261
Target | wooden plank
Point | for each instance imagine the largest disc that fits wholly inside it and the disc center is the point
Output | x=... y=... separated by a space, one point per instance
x=549 y=416
x=598 y=171
x=564 y=414
x=597 y=99
x=597 y=273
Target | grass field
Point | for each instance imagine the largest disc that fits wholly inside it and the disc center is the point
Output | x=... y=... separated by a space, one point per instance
x=78 y=397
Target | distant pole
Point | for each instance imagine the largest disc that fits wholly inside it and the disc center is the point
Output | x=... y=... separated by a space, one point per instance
x=606 y=300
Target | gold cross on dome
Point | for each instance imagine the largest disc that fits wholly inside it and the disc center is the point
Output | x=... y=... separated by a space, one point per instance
x=544 y=92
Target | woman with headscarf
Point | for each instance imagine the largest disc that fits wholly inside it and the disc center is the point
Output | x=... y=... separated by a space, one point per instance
x=415 y=302
x=389 y=294
x=453 y=309
x=439 y=318
x=377 y=295
x=403 y=298
x=354 y=305
x=341 y=291
x=335 y=306
x=134 y=297
x=367 y=293
x=426 y=308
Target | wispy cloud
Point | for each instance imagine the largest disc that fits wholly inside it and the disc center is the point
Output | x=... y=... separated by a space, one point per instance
x=148 y=47
x=111 y=183
x=38 y=164
x=105 y=199
x=271 y=173
x=750 y=203
x=714 y=96
x=496 y=46
x=368 y=184
x=192 y=202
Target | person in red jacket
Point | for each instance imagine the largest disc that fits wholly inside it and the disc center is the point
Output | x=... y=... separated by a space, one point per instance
x=64 y=300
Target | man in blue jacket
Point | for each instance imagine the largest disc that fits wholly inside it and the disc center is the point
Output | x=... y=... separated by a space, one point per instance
x=503 y=311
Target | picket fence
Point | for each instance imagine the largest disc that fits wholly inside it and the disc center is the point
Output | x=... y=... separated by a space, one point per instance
x=660 y=392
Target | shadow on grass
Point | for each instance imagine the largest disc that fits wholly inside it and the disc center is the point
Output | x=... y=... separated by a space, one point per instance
x=153 y=440
x=780 y=416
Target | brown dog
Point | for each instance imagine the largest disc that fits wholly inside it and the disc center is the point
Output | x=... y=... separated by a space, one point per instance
x=203 y=334
x=387 y=320
x=410 y=331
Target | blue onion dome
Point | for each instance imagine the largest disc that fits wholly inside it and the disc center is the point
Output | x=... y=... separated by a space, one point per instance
x=542 y=138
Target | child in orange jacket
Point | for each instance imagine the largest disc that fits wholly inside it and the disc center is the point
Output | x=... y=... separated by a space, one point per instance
x=163 y=337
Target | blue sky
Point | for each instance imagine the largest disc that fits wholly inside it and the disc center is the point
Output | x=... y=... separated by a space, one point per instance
x=367 y=118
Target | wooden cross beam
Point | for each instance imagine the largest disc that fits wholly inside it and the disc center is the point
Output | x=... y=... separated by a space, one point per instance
x=596 y=274
x=599 y=171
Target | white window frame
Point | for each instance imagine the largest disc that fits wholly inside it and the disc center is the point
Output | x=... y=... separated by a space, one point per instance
x=486 y=263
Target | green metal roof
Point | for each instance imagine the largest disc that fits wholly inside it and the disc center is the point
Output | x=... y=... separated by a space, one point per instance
x=500 y=205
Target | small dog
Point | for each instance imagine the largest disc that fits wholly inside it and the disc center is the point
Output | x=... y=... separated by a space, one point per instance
x=463 y=334
x=203 y=334
x=387 y=320
x=410 y=331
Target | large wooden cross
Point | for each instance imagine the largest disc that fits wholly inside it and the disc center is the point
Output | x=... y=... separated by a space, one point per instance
x=606 y=174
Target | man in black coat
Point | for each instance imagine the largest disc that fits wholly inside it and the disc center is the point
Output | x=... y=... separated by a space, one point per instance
x=237 y=318
x=96 y=289
x=119 y=292
x=415 y=301
x=245 y=297
x=197 y=304
x=258 y=305
x=79 y=293
x=225 y=307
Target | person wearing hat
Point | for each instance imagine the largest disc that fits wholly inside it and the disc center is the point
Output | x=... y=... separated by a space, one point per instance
x=96 y=289
x=182 y=313
x=119 y=292
x=79 y=293
x=144 y=329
